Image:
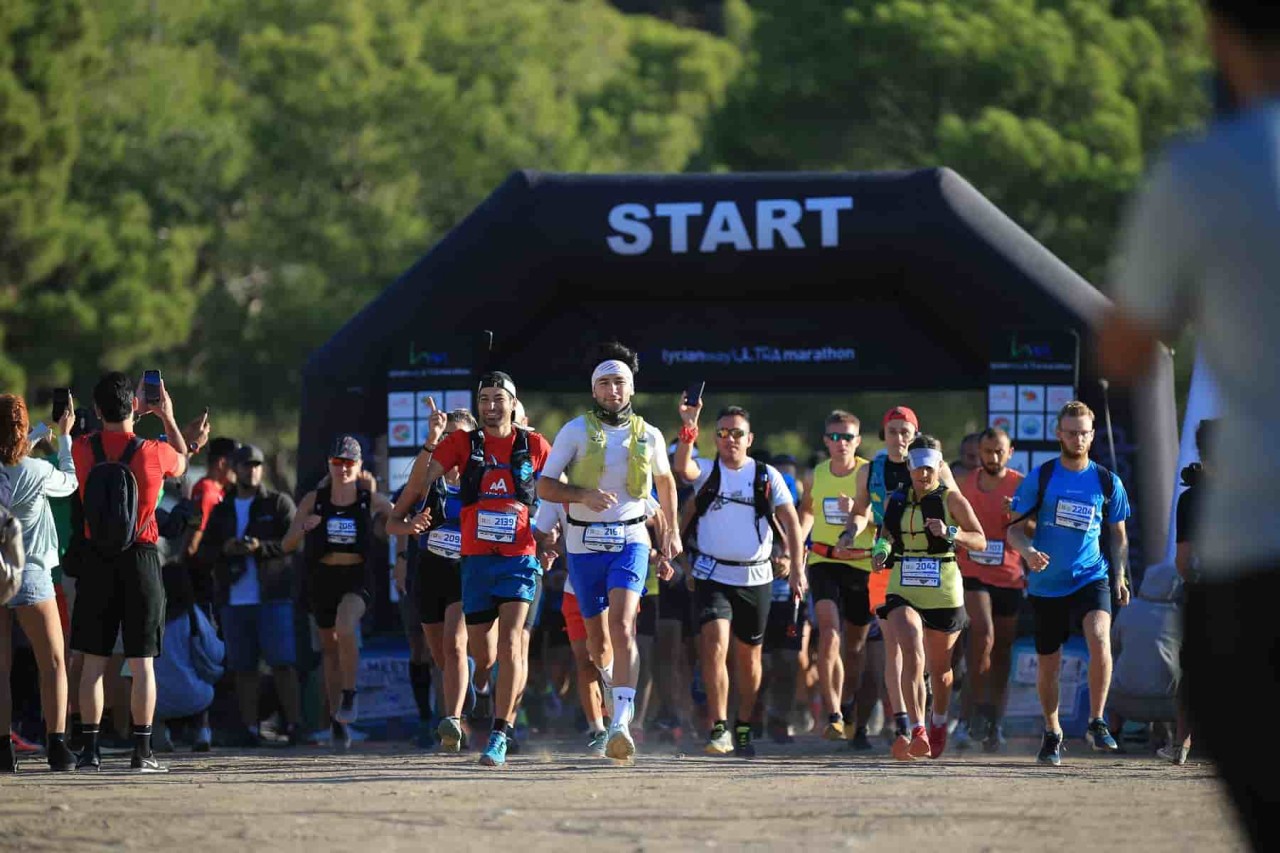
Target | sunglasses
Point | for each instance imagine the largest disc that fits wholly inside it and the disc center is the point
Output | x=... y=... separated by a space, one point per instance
x=727 y=432
x=842 y=436
x=342 y=463
x=1077 y=433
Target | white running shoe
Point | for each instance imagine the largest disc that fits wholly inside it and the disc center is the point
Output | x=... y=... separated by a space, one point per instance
x=620 y=747
x=1173 y=754
x=596 y=745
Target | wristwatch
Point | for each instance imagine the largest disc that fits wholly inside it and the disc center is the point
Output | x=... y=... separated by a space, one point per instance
x=951 y=533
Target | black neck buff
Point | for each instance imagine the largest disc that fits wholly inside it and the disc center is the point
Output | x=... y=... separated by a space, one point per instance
x=613 y=418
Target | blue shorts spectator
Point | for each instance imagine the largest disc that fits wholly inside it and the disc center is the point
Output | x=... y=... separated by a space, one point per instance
x=491 y=580
x=259 y=631
x=594 y=574
x=37 y=586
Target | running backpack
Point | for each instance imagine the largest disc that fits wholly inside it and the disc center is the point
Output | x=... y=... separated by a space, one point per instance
x=1042 y=485
x=932 y=505
x=110 y=502
x=761 y=501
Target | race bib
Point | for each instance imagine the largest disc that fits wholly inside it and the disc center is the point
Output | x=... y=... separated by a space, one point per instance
x=497 y=526
x=1075 y=515
x=831 y=512
x=341 y=531
x=604 y=538
x=445 y=542
x=921 y=571
x=993 y=556
x=703 y=566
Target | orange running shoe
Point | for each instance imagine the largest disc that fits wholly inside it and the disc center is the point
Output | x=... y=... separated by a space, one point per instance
x=919 y=747
x=900 y=748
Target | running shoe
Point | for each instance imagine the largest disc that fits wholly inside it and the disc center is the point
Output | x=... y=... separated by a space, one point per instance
x=61 y=759
x=21 y=745
x=962 y=737
x=994 y=741
x=720 y=742
x=742 y=745
x=834 y=729
x=1173 y=754
x=161 y=741
x=450 y=733
x=1050 y=749
x=88 y=759
x=147 y=764
x=425 y=736
x=349 y=712
x=596 y=744
x=937 y=740
x=340 y=735
x=919 y=747
x=495 y=754
x=620 y=746
x=483 y=708
x=901 y=748
x=778 y=730
x=204 y=740
x=860 y=742
x=1099 y=737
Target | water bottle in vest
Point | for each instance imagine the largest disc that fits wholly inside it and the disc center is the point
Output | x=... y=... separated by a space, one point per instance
x=111 y=499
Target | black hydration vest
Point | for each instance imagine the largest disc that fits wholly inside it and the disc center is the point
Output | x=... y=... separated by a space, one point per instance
x=761 y=502
x=932 y=505
x=521 y=468
x=342 y=529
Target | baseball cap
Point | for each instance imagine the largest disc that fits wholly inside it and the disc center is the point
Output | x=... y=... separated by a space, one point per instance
x=345 y=447
x=248 y=454
x=899 y=413
x=498 y=379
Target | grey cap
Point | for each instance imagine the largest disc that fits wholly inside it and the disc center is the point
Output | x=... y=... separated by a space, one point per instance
x=248 y=453
x=345 y=447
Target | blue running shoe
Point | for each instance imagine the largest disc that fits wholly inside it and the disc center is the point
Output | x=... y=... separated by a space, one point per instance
x=1099 y=737
x=1051 y=749
x=495 y=754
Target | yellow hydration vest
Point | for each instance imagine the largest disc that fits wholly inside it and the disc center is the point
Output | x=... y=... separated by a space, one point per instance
x=828 y=521
x=927 y=580
x=588 y=470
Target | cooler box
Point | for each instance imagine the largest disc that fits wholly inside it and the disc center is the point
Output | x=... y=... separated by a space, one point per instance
x=1023 y=715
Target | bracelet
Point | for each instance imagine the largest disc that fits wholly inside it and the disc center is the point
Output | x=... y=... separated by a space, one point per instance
x=688 y=433
x=431 y=449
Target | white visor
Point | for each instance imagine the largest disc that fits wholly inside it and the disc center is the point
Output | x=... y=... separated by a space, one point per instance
x=612 y=367
x=925 y=457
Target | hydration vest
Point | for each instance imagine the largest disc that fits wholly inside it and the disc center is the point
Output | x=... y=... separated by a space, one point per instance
x=877 y=487
x=590 y=468
x=932 y=505
x=524 y=489
x=342 y=529
x=761 y=502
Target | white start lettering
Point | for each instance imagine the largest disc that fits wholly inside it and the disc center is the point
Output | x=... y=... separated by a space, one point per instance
x=777 y=224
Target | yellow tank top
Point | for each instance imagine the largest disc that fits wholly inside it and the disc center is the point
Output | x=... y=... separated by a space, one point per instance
x=928 y=581
x=828 y=521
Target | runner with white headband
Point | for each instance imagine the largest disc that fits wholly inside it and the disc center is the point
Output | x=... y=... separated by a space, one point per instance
x=614 y=461
x=924 y=606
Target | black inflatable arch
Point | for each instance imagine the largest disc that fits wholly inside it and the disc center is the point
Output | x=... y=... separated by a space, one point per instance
x=880 y=281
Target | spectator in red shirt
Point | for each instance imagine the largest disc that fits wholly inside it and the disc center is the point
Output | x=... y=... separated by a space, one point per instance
x=219 y=480
x=123 y=593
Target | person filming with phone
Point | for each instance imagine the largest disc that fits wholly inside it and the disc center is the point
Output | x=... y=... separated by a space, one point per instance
x=119 y=587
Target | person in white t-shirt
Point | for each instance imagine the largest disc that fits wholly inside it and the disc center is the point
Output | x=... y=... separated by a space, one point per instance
x=614 y=461
x=738 y=515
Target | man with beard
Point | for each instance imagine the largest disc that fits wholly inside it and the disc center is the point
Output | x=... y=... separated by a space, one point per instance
x=499 y=466
x=993 y=584
x=1066 y=502
x=614 y=460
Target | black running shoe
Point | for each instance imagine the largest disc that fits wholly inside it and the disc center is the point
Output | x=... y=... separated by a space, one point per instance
x=860 y=741
x=147 y=764
x=742 y=745
x=1050 y=749
x=61 y=759
x=88 y=759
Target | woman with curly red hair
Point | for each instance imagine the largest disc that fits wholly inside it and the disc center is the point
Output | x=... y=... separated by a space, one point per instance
x=26 y=484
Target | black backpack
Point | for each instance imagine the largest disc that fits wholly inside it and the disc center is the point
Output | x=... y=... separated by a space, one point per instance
x=110 y=501
x=932 y=505
x=1046 y=474
x=761 y=501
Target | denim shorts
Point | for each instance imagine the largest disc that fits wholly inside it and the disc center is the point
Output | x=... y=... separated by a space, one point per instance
x=37 y=586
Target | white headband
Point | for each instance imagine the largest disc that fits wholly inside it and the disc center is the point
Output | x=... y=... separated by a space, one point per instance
x=613 y=367
x=925 y=457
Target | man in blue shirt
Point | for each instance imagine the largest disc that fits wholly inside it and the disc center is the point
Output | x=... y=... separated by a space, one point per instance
x=1070 y=580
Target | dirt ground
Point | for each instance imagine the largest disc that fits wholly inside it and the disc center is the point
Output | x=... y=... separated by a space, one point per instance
x=810 y=795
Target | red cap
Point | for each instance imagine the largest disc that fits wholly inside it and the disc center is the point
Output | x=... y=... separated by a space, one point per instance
x=899 y=413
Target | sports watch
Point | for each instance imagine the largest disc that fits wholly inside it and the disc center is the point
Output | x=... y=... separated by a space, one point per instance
x=951 y=533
